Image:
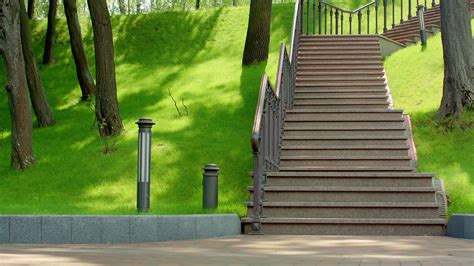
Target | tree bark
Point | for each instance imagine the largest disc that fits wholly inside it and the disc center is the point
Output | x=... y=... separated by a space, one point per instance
x=31 y=8
x=198 y=4
x=10 y=47
x=48 y=57
x=106 y=107
x=258 y=32
x=457 y=47
x=43 y=112
x=82 y=69
x=122 y=7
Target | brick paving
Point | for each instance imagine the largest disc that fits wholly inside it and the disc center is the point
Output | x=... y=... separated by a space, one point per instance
x=254 y=250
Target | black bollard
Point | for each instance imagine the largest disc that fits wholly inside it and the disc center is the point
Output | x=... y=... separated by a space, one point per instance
x=210 y=186
x=144 y=156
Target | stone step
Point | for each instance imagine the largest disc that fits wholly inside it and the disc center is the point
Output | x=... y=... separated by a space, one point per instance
x=338 y=106
x=303 y=58
x=354 y=80
x=312 y=226
x=341 y=44
x=359 y=103
x=336 y=38
x=343 y=125
x=342 y=62
x=338 y=92
x=348 y=72
x=346 y=161
x=366 y=52
x=369 y=150
x=350 y=210
x=348 y=194
x=352 y=179
x=343 y=116
x=341 y=84
x=343 y=133
x=330 y=68
x=347 y=169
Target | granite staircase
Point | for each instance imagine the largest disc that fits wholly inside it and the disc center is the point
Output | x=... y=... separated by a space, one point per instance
x=408 y=32
x=347 y=163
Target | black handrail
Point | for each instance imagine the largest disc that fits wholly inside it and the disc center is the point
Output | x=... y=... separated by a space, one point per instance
x=269 y=118
x=315 y=16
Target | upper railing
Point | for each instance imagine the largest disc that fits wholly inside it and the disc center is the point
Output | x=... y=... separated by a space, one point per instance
x=269 y=118
x=377 y=16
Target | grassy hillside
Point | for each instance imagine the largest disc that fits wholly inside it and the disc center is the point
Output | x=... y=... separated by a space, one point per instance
x=197 y=56
x=445 y=148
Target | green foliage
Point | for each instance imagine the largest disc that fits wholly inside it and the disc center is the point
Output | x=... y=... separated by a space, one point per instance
x=197 y=56
x=445 y=148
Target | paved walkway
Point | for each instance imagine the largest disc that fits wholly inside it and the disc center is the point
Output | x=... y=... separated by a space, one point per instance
x=254 y=250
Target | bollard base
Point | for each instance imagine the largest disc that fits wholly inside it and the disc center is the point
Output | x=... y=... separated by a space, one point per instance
x=143 y=196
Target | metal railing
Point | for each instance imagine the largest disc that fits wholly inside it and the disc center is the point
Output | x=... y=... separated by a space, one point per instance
x=323 y=17
x=269 y=118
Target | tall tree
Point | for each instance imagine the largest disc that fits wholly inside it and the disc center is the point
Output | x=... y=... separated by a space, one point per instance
x=258 y=32
x=456 y=36
x=106 y=104
x=122 y=7
x=139 y=6
x=48 y=57
x=10 y=47
x=198 y=4
x=31 y=8
x=82 y=69
x=43 y=112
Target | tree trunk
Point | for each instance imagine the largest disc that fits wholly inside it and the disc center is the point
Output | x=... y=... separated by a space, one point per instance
x=43 y=112
x=258 y=32
x=122 y=7
x=198 y=4
x=31 y=8
x=50 y=33
x=139 y=5
x=456 y=35
x=107 y=110
x=17 y=92
x=82 y=69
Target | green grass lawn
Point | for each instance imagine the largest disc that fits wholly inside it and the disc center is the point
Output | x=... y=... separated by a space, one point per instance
x=195 y=55
x=416 y=80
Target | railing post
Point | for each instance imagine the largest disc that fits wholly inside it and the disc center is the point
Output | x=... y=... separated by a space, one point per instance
x=421 y=21
x=368 y=20
x=314 y=17
x=401 y=11
x=325 y=19
x=377 y=17
x=426 y=5
x=359 y=16
x=330 y=18
x=409 y=9
x=320 y=16
x=301 y=17
x=337 y=21
x=307 y=17
x=433 y=3
x=257 y=174
x=385 y=15
x=393 y=14
x=342 y=22
x=350 y=23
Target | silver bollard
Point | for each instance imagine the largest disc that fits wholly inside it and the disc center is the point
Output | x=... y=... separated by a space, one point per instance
x=144 y=157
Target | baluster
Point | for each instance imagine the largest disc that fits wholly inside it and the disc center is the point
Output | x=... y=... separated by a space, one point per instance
x=401 y=11
x=320 y=18
x=342 y=22
x=301 y=16
x=433 y=3
x=385 y=15
x=307 y=17
x=359 y=16
x=393 y=14
x=314 y=17
x=331 y=12
x=426 y=5
x=417 y=2
x=409 y=9
x=377 y=17
x=325 y=19
x=337 y=21
x=368 y=20
x=350 y=23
